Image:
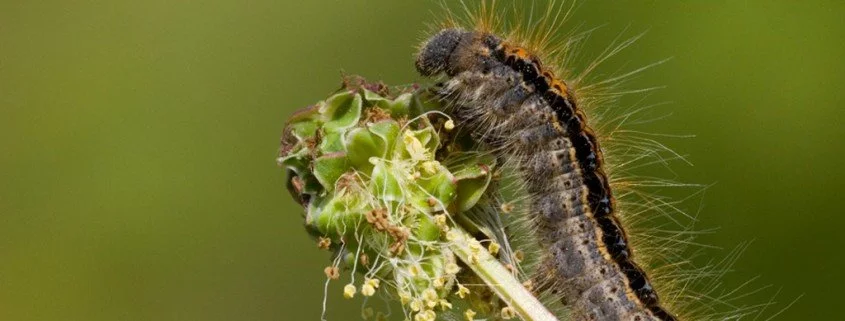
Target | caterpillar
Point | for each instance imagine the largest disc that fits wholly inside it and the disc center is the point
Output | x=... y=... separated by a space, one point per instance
x=575 y=208
x=498 y=86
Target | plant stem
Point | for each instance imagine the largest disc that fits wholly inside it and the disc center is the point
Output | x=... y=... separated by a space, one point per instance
x=500 y=280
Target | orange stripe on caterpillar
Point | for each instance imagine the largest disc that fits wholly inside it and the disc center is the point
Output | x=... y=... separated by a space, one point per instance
x=517 y=52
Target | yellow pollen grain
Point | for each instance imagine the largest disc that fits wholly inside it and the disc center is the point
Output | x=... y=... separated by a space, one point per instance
x=469 y=315
x=416 y=305
x=404 y=297
x=494 y=248
x=462 y=291
x=373 y=282
x=349 y=291
x=452 y=268
x=368 y=290
x=445 y=305
x=438 y=283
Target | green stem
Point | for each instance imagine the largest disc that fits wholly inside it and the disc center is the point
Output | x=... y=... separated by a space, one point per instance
x=499 y=279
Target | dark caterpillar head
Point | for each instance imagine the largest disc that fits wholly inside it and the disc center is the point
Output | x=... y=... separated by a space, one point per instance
x=456 y=50
x=436 y=53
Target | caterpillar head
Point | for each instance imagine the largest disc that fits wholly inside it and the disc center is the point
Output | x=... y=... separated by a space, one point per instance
x=436 y=54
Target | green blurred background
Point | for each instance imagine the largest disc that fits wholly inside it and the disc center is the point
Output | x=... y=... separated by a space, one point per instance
x=138 y=179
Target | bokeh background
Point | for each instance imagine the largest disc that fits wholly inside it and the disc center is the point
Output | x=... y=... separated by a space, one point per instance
x=137 y=173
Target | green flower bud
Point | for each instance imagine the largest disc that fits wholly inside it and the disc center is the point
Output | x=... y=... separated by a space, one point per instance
x=372 y=170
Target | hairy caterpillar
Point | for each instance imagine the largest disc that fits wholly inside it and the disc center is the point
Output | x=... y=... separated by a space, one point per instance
x=498 y=86
x=575 y=207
